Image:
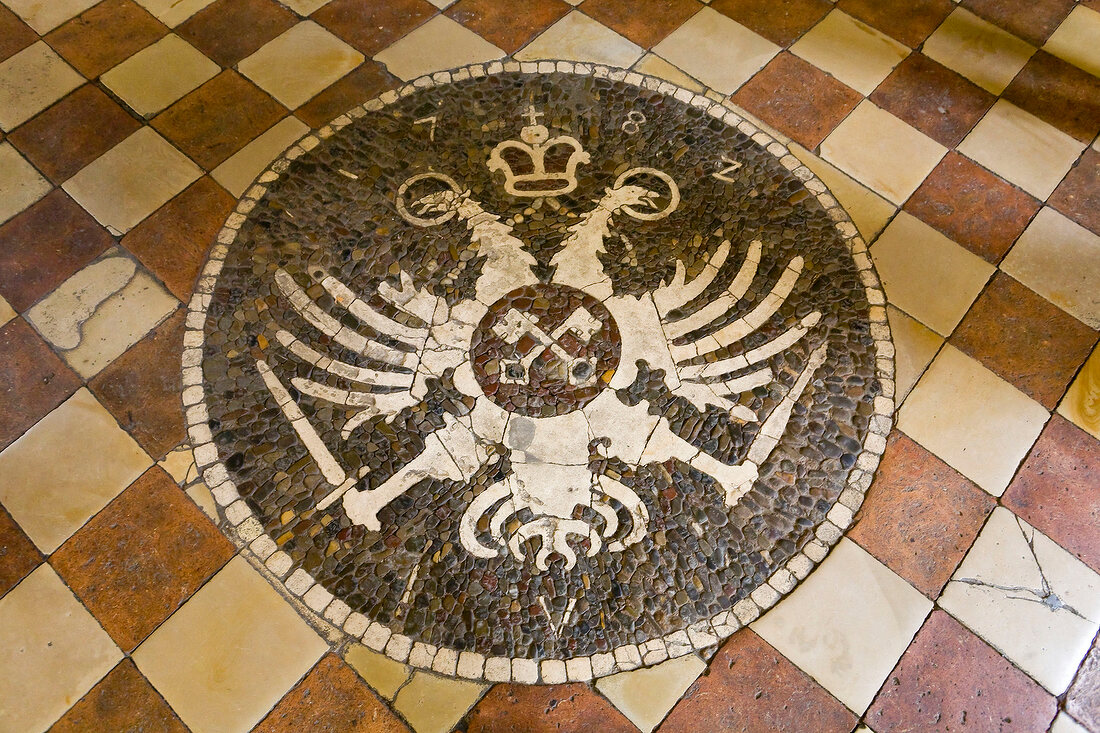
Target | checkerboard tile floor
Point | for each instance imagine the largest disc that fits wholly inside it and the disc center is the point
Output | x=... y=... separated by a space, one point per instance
x=961 y=136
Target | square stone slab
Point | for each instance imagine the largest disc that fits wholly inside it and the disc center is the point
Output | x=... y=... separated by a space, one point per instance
x=32 y=80
x=152 y=79
x=441 y=43
x=717 y=50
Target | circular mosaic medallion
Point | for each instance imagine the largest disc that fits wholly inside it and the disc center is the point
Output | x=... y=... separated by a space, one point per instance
x=538 y=372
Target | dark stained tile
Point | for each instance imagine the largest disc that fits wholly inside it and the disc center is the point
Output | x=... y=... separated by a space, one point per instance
x=1055 y=489
x=1083 y=699
x=797 y=98
x=371 y=25
x=18 y=555
x=139 y=559
x=647 y=28
x=229 y=30
x=1025 y=339
x=1078 y=195
x=539 y=708
x=1032 y=21
x=779 y=23
x=105 y=35
x=1059 y=93
x=920 y=516
x=15 y=35
x=972 y=206
x=949 y=679
x=33 y=380
x=331 y=699
x=497 y=22
x=122 y=701
x=932 y=98
x=142 y=388
x=909 y=21
x=74 y=132
x=367 y=81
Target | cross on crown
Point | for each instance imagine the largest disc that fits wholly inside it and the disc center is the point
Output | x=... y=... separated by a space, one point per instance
x=540 y=165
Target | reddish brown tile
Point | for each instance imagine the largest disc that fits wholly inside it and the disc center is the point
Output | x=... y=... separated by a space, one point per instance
x=949 y=679
x=15 y=35
x=1025 y=339
x=1055 y=489
x=933 y=99
x=972 y=206
x=648 y=28
x=539 y=708
x=920 y=516
x=33 y=380
x=1083 y=699
x=798 y=99
x=122 y=701
x=909 y=21
x=74 y=132
x=140 y=558
x=371 y=25
x=105 y=35
x=497 y=22
x=228 y=30
x=331 y=698
x=367 y=81
x=1032 y=21
x=1059 y=93
x=781 y=24
x=1078 y=195
x=18 y=555
x=142 y=388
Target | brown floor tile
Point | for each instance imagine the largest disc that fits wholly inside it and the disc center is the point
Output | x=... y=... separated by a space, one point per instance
x=331 y=698
x=1083 y=699
x=142 y=387
x=74 y=132
x=949 y=679
x=122 y=701
x=105 y=35
x=1059 y=93
x=219 y=118
x=371 y=25
x=15 y=35
x=751 y=688
x=1055 y=489
x=781 y=24
x=368 y=80
x=497 y=22
x=33 y=380
x=920 y=516
x=229 y=30
x=1032 y=21
x=1025 y=339
x=909 y=21
x=798 y=99
x=647 y=29
x=933 y=99
x=18 y=555
x=540 y=708
x=140 y=558
x=972 y=206
x=1078 y=195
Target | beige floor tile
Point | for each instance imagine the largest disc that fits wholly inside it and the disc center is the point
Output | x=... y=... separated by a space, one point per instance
x=926 y=274
x=101 y=311
x=297 y=65
x=241 y=168
x=173 y=12
x=979 y=50
x=852 y=51
x=32 y=80
x=433 y=704
x=646 y=695
x=1060 y=260
x=717 y=50
x=442 y=4
x=1022 y=149
x=157 y=76
x=1081 y=405
x=45 y=15
x=654 y=65
x=1065 y=724
x=975 y=421
x=118 y=188
x=384 y=675
x=6 y=311
x=20 y=184
x=1077 y=40
x=66 y=468
x=51 y=652
x=1031 y=600
x=230 y=653
x=869 y=211
x=882 y=152
x=847 y=624
x=915 y=345
x=576 y=37
x=305 y=7
x=441 y=43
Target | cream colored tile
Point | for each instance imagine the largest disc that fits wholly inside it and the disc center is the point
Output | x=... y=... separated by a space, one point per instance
x=847 y=624
x=157 y=76
x=868 y=210
x=975 y=421
x=1021 y=148
x=1077 y=40
x=238 y=172
x=20 y=184
x=32 y=80
x=442 y=4
x=202 y=497
x=1065 y=724
x=433 y=704
x=1081 y=405
x=173 y=12
x=654 y=65
x=132 y=180
x=646 y=695
x=230 y=653
x=1060 y=260
x=180 y=465
x=979 y=50
x=45 y=15
x=882 y=152
x=852 y=51
x=1031 y=600
x=384 y=675
x=66 y=468
x=297 y=65
x=6 y=311
x=915 y=347
x=51 y=652
x=441 y=43
x=717 y=50
x=305 y=7
x=577 y=37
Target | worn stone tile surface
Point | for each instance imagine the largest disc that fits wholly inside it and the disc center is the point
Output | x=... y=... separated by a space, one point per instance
x=105 y=35
x=1076 y=39
x=1033 y=21
x=908 y=22
x=157 y=76
x=646 y=28
x=366 y=82
x=121 y=701
x=645 y=696
x=850 y=50
x=977 y=49
x=493 y=20
x=915 y=345
x=577 y=37
x=716 y=50
x=229 y=30
x=18 y=555
x=1081 y=405
x=20 y=184
x=1058 y=93
x=32 y=80
x=236 y=173
x=371 y=25
x=1083 y=699
x=15 y=35
x=545 y=708
x=434 y=704
x=1078 y=195
x=782 y=28
x=296 y=65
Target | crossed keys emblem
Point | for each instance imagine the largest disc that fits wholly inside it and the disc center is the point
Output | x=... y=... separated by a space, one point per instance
x=516 y=327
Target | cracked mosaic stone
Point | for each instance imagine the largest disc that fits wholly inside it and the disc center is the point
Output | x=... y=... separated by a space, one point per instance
x=538 y=373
